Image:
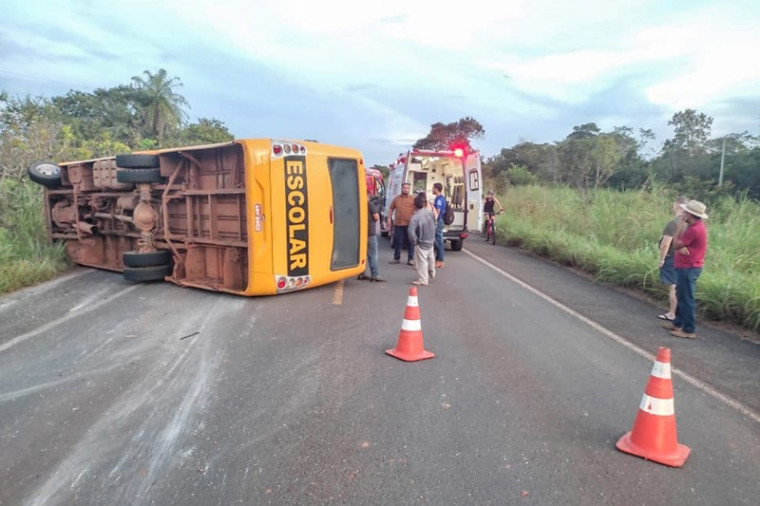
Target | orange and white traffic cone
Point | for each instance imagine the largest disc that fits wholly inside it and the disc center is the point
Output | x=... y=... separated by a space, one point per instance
x=410 y=347
x=653 y=436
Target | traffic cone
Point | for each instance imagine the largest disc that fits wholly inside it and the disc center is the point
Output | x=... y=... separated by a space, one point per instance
x=653 y=436
x=410 y=347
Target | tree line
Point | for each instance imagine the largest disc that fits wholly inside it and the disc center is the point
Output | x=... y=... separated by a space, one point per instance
x=150 y=113
x=147 y=113
x=691 y=162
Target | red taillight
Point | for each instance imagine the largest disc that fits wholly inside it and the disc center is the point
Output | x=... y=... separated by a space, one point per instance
x=281 y=283
x=277 y=149
x=459 y=152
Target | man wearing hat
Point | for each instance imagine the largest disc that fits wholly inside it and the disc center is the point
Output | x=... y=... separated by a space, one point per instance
x=690 y=247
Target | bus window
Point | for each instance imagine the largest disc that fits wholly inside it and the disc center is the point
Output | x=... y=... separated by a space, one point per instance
x=345 y=187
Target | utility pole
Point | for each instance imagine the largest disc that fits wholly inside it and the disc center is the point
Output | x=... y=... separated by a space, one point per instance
x=722 y=160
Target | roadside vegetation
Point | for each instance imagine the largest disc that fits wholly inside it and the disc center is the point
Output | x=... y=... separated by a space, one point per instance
x=26 y=258
x=596 y=200
x=147 y=113
x=614 y=236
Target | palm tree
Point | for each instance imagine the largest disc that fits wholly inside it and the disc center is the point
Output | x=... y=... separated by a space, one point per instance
x=162 y=107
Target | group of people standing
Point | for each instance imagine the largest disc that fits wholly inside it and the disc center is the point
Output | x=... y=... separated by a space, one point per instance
x=417 y=229
x=683 y=245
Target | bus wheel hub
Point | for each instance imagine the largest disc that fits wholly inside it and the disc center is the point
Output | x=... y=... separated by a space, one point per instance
x=144 y=216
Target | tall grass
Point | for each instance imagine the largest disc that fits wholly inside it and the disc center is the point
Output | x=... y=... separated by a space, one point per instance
x=26 y=256
x=615 y=235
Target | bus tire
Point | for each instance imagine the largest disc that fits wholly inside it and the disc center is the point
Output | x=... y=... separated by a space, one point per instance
x=152 y=273
x=456 y=245
x=154 y=258
x=138 y=175
x=136 y=161
x=47 y=174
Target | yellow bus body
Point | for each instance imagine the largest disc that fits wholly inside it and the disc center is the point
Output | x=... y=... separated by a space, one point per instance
x=249 y=217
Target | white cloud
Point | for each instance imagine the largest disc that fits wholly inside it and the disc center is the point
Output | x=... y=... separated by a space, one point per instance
x=715 y=65
x=387 y=70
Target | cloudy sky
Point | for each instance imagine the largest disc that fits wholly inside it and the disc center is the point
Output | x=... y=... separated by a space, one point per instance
x=375 y=75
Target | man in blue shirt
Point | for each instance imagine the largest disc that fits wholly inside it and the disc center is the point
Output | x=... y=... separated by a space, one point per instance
x=440 y=209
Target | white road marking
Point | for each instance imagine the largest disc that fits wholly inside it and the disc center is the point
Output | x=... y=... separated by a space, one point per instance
x=338 y=293
x=12 y=396
x=10 y=299
x=696 y=383
x=23 y=337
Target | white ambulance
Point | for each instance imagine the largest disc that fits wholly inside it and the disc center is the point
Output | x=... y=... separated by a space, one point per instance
x=460 y=174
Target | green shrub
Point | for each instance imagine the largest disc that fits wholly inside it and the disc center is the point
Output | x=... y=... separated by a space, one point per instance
x=26 y=256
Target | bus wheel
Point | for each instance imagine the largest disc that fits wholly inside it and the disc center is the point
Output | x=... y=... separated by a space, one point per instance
x=138 y=175
x=136 y=161
x=45 y=173
x=152 y=273
x=154 y=258
x=456 y=245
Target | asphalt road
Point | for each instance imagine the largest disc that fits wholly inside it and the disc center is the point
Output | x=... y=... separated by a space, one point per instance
x=120 y=394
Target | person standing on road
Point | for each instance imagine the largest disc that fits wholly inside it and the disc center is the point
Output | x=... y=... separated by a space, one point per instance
x=373 y=219
x=421 y=233
x=403 y=205
x=440 y=209
x=667 y=269
x=690 y=248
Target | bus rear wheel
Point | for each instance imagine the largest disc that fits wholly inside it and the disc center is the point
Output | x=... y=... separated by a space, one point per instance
x=139 y=161
x=137 y=259
x=138 y=175
x=152 y=273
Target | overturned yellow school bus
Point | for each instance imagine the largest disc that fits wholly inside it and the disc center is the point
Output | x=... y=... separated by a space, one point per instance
x=249 y=217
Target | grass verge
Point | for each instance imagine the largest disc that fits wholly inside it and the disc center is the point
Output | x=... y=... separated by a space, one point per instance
x=614 y=236
x=26 y=256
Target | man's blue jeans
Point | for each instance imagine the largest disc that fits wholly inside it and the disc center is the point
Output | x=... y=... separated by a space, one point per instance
x=439 y=241
x=401 y=240
x=372 y=256
x=686 y=311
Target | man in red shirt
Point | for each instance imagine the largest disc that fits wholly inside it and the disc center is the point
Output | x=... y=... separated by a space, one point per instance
x=690 y=247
